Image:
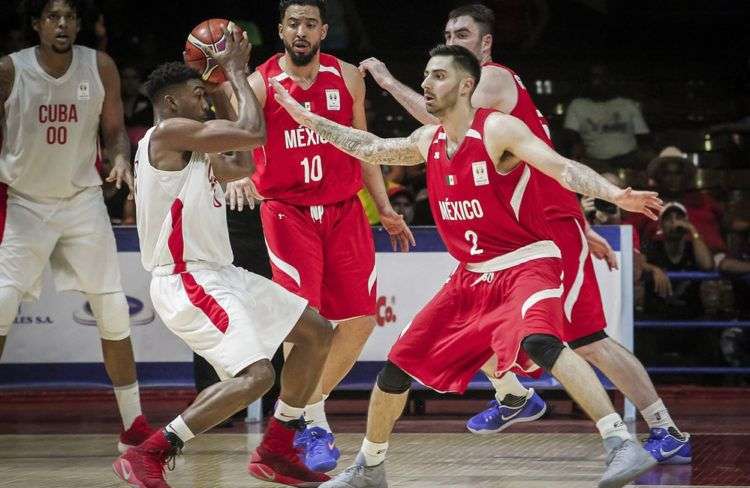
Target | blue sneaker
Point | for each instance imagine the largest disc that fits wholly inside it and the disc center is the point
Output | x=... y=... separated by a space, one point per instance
x=499 y=417
x=318 y=449
x=667 y=447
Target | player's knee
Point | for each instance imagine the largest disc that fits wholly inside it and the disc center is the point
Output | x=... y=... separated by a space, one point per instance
x=112 y=315
x=319 y=331
x=393 y=379
x=260 y=374
x=10 y=299
x=543 y=349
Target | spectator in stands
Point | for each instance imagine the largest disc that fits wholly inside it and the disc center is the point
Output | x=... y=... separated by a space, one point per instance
x=677 y=247
x=608 y=131
x=402 y=201
x=139 y=115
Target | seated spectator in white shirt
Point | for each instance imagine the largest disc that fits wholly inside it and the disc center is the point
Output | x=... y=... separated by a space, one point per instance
x=606 y=128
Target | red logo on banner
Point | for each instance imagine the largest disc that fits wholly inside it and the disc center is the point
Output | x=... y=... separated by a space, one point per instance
x=386 y=311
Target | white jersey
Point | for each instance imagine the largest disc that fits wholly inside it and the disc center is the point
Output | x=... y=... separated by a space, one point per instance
x=51 y=127
x=182 y=220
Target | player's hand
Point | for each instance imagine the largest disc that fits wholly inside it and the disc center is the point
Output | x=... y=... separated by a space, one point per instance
x=399 y=232
x=121 y=172
x=601 y=249
x=299 y=113
x=241 y=191
x=645 y=202
x=377 y=70
x=662 y=285
x=236 y=53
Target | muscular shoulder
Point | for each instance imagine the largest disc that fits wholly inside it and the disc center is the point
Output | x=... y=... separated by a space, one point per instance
x=422 y=138
x=7 y=74
x=497 y=89
x=353 y=79
x=107 y=69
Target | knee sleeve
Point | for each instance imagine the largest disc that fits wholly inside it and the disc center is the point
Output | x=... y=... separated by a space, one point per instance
x=589 y=339
x=112 y=315
x=393 y=380
x=543 y=349
x=10 y=299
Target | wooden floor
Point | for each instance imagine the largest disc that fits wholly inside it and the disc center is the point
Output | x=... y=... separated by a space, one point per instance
x=414 y=461
x=65 y=439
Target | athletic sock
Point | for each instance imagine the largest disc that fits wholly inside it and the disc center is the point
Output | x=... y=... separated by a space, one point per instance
x=315 y=416
x=286 y=413
x=179 y=428
x=509 y=391
x=613 y=426
x=657 y=416
x=373 y=452
x=129 y=403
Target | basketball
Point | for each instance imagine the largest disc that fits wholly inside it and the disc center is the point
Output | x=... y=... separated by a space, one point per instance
x=206 y=38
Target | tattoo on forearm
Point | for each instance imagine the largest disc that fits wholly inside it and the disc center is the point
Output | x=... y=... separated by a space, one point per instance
x=366 y=146
x=584 y=180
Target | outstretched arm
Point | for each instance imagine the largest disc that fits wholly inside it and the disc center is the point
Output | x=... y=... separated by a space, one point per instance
x=367 y=147
x=412 y=101
x=507 y=134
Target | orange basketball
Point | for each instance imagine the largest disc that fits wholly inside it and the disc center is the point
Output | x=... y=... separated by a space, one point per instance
x=207 y=37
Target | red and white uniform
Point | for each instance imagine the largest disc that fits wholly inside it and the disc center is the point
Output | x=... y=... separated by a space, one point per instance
x=319 y=241
x=229 y=316
x=507 y=286
x=51 y=204
x=582 y=304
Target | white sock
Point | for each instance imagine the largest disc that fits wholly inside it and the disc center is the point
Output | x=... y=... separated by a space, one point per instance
x=287 y=413
x=508 y=384
x=129 y=403
x=373 y=452
x=315 y=415
x=613 y=426
x=657 y=416
x=180 y=429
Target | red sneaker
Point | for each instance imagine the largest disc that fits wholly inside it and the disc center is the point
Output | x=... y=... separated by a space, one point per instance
x=136 y=434
x=277 y=460
x=144 y=466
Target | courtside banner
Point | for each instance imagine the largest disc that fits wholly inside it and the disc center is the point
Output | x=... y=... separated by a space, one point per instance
x=60 y=328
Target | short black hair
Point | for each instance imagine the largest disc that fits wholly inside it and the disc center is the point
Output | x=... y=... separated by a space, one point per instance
x=321 y=4
x=461 y=57
x=166 y=75
x=32 y=9
x=481 y=14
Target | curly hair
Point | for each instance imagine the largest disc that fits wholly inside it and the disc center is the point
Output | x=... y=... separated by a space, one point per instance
x=166 y=75
x=32 y=9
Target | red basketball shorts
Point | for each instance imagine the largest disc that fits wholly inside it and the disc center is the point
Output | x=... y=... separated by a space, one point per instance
x=582 y=303
x=477 y=315
x=324 y=254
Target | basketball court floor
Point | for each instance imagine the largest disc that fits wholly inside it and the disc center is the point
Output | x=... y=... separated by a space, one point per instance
x=64 y=439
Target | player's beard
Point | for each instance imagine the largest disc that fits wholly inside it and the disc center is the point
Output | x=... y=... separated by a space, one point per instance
x=441 y=106
x=301 y=59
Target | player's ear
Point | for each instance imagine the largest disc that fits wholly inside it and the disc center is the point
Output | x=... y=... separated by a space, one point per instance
x=35 y=24
x=487 y=40
x=324 y=32
x=170 y=102
x=281 y=30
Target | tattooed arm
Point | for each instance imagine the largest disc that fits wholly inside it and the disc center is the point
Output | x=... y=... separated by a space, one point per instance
x=506 y=134
x=367 y=147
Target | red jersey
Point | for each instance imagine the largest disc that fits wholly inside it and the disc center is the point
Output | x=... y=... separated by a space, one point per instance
x=296 y=165
x=480 y=213
x=558 y=201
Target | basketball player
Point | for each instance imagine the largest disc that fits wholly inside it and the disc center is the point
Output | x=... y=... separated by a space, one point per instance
x=318 y=237
x=501 y=89
x=233 y=318
x=55 y=97
x=504 y=298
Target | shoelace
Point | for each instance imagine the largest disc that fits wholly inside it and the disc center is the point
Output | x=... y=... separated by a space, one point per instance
x=167 y=460
x=354 y=470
